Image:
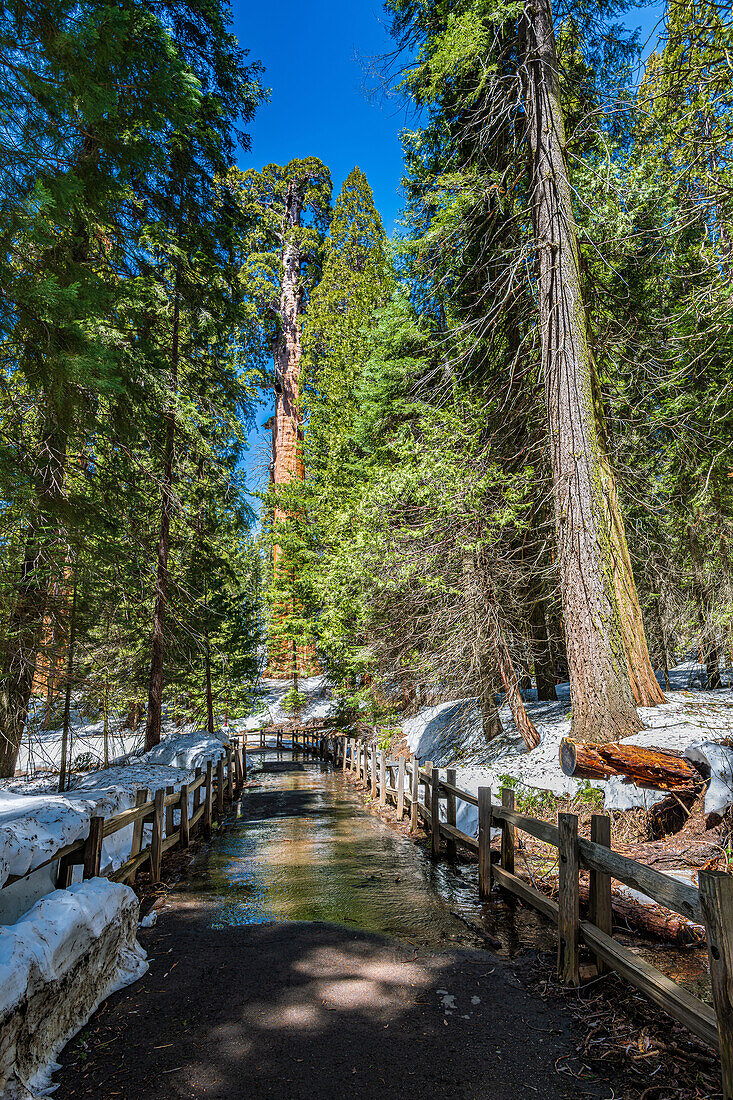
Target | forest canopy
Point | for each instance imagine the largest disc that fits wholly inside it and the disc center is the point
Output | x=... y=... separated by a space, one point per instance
x=501 y=441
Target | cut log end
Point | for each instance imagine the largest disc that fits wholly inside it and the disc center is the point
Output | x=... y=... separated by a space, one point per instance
x=657 y=769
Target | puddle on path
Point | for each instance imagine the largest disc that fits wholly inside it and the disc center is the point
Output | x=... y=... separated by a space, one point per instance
x=303 y=847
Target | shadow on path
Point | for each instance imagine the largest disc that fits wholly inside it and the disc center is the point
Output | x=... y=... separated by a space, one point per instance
x=318 y=1011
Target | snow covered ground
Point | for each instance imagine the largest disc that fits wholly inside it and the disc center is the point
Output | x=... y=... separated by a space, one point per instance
x=270 y=711
x=450 y=735
x=35 y=822
x=57 y=964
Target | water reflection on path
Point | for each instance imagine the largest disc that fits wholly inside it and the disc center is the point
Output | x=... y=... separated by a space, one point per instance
x=303 y=847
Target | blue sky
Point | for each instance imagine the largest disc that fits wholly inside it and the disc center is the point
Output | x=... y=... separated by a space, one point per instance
x=318 y=57
x=320 y=60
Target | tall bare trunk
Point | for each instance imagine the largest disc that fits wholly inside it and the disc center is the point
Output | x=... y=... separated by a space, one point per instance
x=602 y=698
x=505 y=666
x=663 y=653
x=157 y=649
x=209 y=693
x=544 y=670
x=709 y=651
x=65 y=768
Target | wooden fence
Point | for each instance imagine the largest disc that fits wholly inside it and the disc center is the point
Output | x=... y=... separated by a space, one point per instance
x=400 y=782
x=199 y=804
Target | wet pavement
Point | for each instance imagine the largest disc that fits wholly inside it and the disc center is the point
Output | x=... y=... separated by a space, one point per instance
x=303 y=847
x=314 y=951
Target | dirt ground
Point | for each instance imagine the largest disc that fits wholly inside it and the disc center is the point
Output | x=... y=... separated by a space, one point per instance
x=320 y=1011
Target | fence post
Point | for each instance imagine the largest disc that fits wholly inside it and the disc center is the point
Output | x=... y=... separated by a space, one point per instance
x=141 y=797
x=184 y=816
x=373 y=771
x=568 y=917
x=208 y=798
x=414 y=793
x=382 y=779
x=196 y=797
x=237 y=771
x=93 y=847
x=230 y=775
x=244 y=760
x=599 y=896
x=484 y=842
x=716 y=898
x=169 y=813
x=507 y=832
x=220 y=787
x=435 y=812
x=65 y=872
x=156 y=844
x=344 y=746
x=451 y=848
x=401 y=788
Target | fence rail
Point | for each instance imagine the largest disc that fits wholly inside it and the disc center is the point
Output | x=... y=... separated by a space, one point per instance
x=711 y=905
x=199 y=802
x=399 y=781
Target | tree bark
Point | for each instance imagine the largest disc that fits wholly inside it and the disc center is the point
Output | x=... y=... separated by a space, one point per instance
x=602 y=698
x=65 y=767
x=25 y=628
x=505 y=666
x=657 y=596
x=644 y=684
x=658 y=769
x=709 y=652
x=209 y=693
x=544 y=671
x=287 y=436
x=157 y=649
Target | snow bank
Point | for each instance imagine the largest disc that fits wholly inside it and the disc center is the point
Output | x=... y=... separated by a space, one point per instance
x=270 y=711
x=450 y=734
x=57 y=964
x=33 y=827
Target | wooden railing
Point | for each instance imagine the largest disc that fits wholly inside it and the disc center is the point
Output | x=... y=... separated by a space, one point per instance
x=199 y=803
x=400 y=781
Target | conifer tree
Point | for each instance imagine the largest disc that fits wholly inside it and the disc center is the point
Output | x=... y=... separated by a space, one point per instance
x=285 y=212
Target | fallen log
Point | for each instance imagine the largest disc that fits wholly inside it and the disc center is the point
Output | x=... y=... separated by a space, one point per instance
x=658 y=769
x=653 y=920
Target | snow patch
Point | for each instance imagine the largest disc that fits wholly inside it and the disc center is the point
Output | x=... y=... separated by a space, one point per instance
x=451 y=735
x=33 y=827
x=57 y=964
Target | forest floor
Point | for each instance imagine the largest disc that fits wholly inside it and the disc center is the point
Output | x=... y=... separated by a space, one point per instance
x=317 y=1010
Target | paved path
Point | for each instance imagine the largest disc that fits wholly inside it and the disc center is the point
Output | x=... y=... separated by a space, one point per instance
x=318 y=1011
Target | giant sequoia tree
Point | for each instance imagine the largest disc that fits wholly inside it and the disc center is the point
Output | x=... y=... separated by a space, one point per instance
x=285 y=212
